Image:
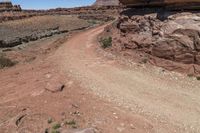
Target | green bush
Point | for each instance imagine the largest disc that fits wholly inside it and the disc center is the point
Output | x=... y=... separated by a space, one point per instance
x=50 y=120
x=106 y=42
x=72 y=122
x=55 y=131
x=5 y=62
x=56 y=126
x=93 y=22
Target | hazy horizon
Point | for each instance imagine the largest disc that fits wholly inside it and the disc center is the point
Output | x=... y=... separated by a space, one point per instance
x=49 y=4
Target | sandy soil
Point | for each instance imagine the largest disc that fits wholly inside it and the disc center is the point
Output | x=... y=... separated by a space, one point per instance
x=168 y=100
x=30 y=97
x=101 y=91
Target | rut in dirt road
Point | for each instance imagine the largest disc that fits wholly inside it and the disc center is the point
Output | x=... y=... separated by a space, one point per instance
x=169 y=101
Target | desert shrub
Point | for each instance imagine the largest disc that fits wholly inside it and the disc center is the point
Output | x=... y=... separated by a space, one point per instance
x=74 y=126
x=190 y=75
x=55 y=131
x=56 y=126
x=144 y=60
x=106 y=42
x=50 y=120
x=71 y=122
x=5 y=62
x=93 y=22
x=198 y=78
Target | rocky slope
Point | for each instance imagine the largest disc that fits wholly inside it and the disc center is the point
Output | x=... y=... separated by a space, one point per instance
x=15 y=33
x=8 y=6
x=172 y=42
x=106 y=2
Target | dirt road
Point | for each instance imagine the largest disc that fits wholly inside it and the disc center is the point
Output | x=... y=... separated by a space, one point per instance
x=169 y=101
x=31 y=101
x=129 y=97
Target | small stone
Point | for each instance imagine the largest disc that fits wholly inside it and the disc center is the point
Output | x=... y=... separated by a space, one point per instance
x=116 y=117
x=48 y=76
x=55 y=87
x=120 y=129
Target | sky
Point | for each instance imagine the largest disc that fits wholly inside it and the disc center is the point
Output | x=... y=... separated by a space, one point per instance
x=47 y=4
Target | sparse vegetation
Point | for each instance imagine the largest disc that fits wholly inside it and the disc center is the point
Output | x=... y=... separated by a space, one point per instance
x=56 y=126
x=190 y=75
x=55 y=131
x=74 y=126
x=106 y=42
x=46 y=130
x=198 y=78
x=50 y=120
x=144 y=60
x=30 y=59
x=72 y=122
x=93 y=22
x=6 y=62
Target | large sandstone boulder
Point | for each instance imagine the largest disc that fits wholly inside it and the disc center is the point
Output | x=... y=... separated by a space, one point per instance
x=176 y=39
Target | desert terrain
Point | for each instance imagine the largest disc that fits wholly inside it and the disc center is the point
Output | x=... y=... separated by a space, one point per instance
x=77 y=71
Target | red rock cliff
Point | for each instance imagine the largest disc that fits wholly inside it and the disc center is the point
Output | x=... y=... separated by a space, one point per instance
x=8 y=6
x=106 y=2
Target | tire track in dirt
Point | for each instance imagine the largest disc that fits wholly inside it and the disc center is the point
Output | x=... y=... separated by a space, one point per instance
x=169 y=100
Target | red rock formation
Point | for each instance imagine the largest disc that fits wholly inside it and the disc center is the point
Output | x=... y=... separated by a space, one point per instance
x=106 y=2
x=173 y=43
x=8 y=6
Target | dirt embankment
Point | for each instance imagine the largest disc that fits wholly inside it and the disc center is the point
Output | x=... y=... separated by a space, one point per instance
x=167 y=39
x=14 y=33
x=17 y=34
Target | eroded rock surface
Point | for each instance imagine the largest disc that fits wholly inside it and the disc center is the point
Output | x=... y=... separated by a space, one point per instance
x=106 y=2
x=8 y=6
x=175 y=39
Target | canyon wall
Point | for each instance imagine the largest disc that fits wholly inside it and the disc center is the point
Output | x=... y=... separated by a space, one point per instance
x=106 y=2
x=8 y=6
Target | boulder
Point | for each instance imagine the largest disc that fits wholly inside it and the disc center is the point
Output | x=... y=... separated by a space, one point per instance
x=197 y=59
x=175 y=39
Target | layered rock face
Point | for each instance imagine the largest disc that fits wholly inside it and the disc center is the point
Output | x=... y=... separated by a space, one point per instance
x=8 y=6
x=173 y=43
x=106 y=3
x=159 y=2
x=104 y=13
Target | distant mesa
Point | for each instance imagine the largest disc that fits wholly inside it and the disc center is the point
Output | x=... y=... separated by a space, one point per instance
x=6 y=5
x=106 y=3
